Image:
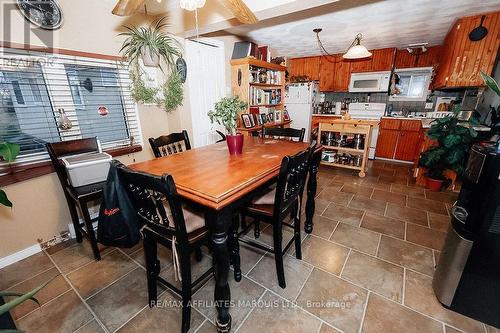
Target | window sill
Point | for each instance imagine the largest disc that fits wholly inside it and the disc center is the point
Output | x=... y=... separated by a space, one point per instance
x=26 y=172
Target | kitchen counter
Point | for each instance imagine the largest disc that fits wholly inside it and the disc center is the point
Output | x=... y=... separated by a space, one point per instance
x=326 y=115
x=426 y=123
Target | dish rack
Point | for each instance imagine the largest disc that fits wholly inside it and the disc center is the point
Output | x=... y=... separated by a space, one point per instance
x=345 y=144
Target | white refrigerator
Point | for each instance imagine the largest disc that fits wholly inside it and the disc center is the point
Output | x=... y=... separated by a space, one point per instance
x=299 y=101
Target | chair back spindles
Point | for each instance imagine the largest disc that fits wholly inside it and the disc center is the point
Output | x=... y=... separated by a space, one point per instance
x=284 y=133
x=170 y=144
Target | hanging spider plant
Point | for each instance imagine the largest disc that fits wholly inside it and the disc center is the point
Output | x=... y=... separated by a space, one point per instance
x=151 y=44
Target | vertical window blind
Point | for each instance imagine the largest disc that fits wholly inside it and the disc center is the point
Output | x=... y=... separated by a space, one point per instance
x=36 y=88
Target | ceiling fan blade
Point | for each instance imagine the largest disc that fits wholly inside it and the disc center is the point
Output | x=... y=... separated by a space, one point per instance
x=240 y=11
x=127 y=7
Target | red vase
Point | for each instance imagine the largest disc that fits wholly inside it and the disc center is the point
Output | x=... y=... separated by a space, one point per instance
x=235 y=144
x=434 y=185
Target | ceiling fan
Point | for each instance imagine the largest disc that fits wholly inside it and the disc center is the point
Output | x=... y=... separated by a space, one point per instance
x=239 y=9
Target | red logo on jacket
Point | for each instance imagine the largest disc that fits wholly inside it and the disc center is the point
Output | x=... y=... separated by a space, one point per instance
x=112 y=211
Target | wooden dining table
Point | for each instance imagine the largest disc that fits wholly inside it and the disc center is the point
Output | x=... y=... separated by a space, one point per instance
x=221 y=183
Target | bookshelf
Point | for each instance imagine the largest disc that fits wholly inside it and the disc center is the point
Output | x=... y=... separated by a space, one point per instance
x=262 y=85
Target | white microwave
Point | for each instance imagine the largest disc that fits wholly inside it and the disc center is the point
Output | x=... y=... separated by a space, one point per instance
x=370 y=82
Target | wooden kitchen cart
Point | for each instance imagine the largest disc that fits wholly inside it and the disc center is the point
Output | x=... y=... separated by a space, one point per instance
x=348 y=127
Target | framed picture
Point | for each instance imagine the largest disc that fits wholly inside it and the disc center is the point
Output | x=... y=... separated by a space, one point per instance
x=259 y=119
x=252 y=120
x=286 y=116
x=247 y=123
x=270 y=117
x=277 y=116
x=263 y=118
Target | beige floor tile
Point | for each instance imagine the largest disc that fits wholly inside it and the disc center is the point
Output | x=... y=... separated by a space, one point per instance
x=164 y=255
x=340 y=198
x=198 y=268
x=370 y=205
x=24 y=269
x=412 y=215
x=166 y=317
x=357 y=238
x=56 y=287
x=448 y=329
x=76 y=256
x=275 y=315
x=388 y=179
x=243 y=294
x=399 y=199
x=490 y=329
x=439 y=222
x=406 y=254
x=323 y=227
x=446 y=196
x=63 y=314
x=327 y=329
x=324 y=254
x=374 y=274
x=95 y=276
x=425 y=236
x=383 y=315
x=296 y=273
x=375 y=183
x=320 y=206
x=414 y=192
x=91 y=327
x=429 y=205
x=384 y=225
x=116 y=304
x=339 y=303
x=249 y=256
x=349 y=179
x=419 y=295
x=343 y=214
x=357 y=189
x=207 y=327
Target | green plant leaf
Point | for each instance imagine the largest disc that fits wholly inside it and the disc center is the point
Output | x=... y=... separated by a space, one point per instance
x=29 y=295
x=14 y=293
x=11 y=331
x=451 y=140
x=4 y=200
x=172 y=92
x=9 y=151
x=491 y=83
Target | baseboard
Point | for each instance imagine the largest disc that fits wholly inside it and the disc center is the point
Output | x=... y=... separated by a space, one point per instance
x=20 y=255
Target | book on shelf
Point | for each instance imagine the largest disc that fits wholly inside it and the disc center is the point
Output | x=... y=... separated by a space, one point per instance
x=264 y=76
x=259 y=96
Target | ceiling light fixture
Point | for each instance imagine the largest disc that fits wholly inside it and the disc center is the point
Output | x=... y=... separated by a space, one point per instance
x=417 y=49
x=191 y=4
x=356 y=50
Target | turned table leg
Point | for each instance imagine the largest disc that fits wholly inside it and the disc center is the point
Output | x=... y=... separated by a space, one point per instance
x=219 y=224
x=312 y=186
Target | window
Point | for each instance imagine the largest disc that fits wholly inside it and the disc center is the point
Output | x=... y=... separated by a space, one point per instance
x=93 y=93
x=413 y=84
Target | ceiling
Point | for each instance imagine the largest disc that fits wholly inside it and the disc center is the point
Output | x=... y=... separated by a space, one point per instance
x=383 y=23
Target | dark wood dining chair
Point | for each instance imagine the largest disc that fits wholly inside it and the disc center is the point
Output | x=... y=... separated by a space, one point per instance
x=78 y=198
x=287 y=133
x=276 y=205
x=167 y=222
x=222 y=136
x=170 y=144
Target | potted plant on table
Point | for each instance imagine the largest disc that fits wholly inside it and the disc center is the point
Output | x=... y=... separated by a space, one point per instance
x=454 y=138
x=226 y=113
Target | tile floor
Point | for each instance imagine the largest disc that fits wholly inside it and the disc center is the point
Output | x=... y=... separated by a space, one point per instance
x=367 y=267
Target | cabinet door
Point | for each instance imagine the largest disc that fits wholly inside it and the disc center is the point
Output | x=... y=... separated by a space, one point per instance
x=386 y=143
x=311 y=68
x=383 y=59
x=431 y=57
x=342 y=74
x=360 y=66
x=326 y=73
x=405 y=59
x=407 y=145
x=296 y=67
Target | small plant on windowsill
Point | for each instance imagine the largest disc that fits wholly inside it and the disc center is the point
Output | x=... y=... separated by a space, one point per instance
x=226 y=114
x=454 y=138
x=8 y=152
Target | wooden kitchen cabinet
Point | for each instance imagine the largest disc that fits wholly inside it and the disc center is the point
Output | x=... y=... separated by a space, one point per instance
x=361 y=65
x=383 y=59
x=405 y=59
x=326 y=73
x=398 y=139
x=462 y=59
x=342 y=74
x=307 y=66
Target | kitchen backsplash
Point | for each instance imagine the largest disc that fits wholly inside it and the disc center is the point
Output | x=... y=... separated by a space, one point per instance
x=397 y=105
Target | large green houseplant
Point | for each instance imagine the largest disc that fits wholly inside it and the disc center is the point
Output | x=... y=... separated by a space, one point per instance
x=226 y=114
x=154 y=47
x=454 y=138
x=8 y=152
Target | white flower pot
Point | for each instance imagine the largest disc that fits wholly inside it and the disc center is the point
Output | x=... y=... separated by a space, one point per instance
x=149 y=59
